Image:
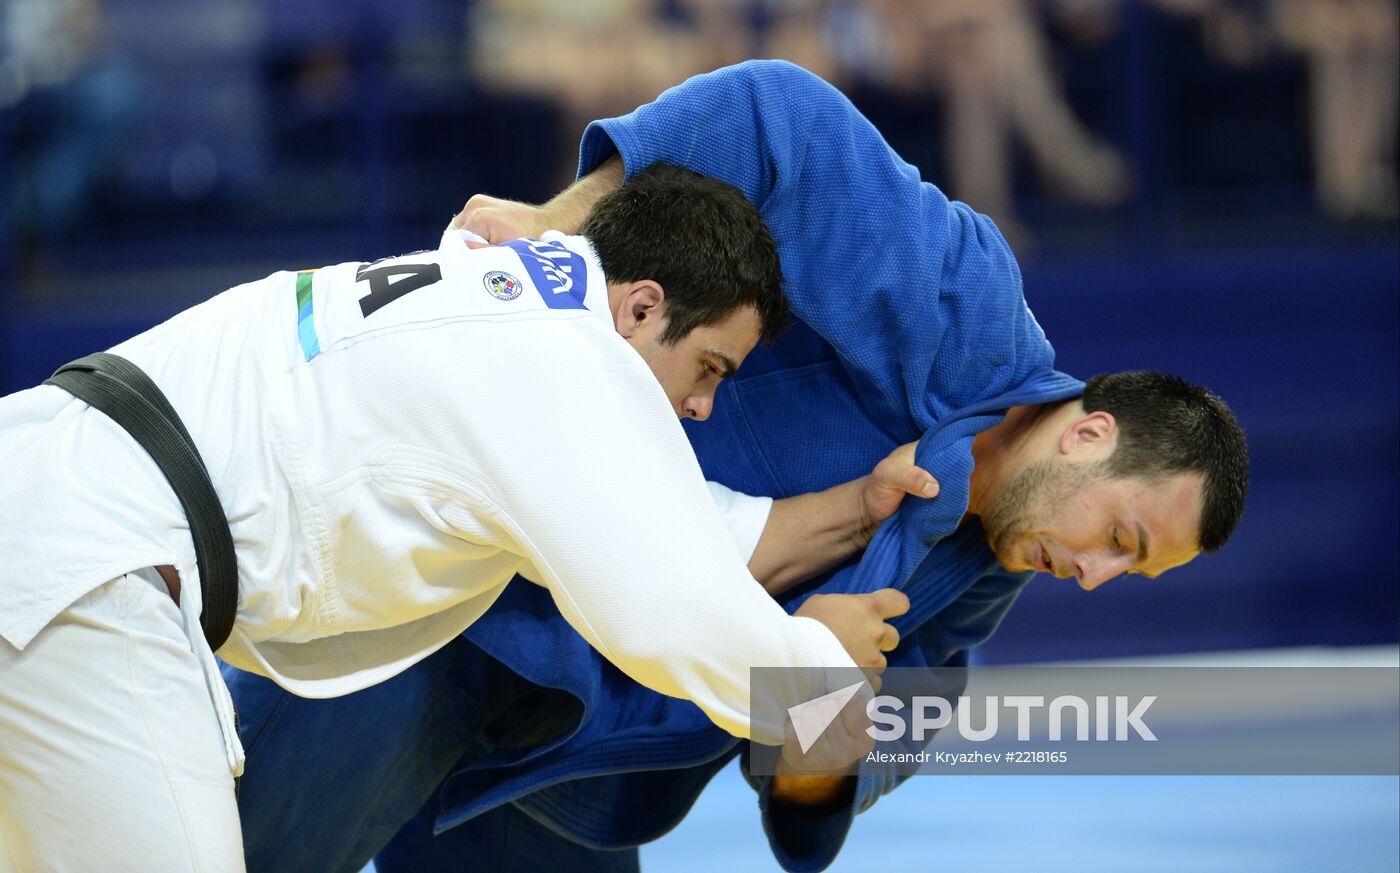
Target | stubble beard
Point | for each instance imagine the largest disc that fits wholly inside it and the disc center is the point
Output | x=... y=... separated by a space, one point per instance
x=1030 y=499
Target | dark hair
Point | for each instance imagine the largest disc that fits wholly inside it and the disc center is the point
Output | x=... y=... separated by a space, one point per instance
x=699 y=239
x=1166 y=426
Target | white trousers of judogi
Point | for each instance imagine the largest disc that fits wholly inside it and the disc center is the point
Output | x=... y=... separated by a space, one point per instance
x=111 y=757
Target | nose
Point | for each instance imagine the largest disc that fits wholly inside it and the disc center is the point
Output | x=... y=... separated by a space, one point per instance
x=1091 y=570
x=699 y=406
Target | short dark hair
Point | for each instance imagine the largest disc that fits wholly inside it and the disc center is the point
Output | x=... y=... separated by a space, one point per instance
x=1166 y=426
x=697 y=237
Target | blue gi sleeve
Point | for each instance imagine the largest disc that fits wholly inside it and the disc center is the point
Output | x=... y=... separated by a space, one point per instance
x=807 y=841
x=856 y=228
x=919 y=297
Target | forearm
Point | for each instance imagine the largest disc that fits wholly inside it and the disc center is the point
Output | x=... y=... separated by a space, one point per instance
x=568 y=209
x=494 y=220
x=810 y=533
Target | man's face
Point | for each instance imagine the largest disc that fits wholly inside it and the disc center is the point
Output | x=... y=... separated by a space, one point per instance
x=691 y=368
x=1071 y=519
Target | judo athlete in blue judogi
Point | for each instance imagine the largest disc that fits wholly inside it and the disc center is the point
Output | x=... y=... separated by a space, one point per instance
x=525 y=750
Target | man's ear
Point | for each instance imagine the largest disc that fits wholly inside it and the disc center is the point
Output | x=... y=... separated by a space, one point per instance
x=642 y=309
x=1093 y=436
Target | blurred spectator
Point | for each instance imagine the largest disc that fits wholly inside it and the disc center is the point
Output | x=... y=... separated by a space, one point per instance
x=991 y=59
x=596 y=59
x=340 y=113
x=1353 y=54
x=68 y=103
x=1352 y=51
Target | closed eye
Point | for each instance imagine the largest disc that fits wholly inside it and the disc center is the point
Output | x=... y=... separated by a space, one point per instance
x=726 y=365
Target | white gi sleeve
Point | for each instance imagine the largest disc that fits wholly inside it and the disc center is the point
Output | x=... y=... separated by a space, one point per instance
x=744 y=514
x=590 y=473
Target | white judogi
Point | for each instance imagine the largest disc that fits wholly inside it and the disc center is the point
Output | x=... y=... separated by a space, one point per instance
x=388 y=460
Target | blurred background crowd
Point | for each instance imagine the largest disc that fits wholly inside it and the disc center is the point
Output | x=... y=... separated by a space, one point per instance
x=1206 y=186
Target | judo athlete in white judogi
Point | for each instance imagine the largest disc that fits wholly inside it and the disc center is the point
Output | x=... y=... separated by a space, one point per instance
x=391 y=443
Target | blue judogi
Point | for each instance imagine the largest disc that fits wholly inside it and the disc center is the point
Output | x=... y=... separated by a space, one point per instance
x=910 y=325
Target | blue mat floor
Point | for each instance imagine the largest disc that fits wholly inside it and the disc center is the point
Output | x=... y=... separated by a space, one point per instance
x=1084 y=824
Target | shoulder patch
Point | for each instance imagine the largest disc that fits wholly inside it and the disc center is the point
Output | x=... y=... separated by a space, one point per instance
x=502 y=285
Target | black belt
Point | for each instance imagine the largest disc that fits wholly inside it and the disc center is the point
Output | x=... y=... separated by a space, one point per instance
x=119 y=388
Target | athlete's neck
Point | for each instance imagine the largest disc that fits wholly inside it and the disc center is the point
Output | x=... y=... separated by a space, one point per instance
x=996 y=450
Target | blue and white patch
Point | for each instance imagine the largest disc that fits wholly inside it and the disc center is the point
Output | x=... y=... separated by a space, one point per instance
x=502 y=285
x=559 y=274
